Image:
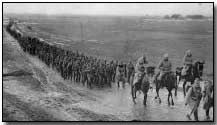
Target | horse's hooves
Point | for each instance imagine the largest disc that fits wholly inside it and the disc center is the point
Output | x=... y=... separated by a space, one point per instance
x=134 y=101
x=144 y=103
x=188 y=116
x=159 y=101
x=172 y=103
x=155 y=97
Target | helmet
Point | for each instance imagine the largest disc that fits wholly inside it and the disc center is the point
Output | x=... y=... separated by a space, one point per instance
x=166 y=56
x=188 y=52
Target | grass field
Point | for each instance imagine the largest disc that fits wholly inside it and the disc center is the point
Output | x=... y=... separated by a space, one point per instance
x=124 y=38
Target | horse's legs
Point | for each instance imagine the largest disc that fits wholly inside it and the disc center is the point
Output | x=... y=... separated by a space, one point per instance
x=207 y=114
x=172 y=98
x=171 y=95
x=168 y=98
x=157 y=90
x=118 y=83
x=133 y=92
x=184 y=92
x=123 y=83
x=176 y=90
x=177 y=84
x=145 y=98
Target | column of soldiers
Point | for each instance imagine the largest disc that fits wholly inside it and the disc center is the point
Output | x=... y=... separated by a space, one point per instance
x=71 y=65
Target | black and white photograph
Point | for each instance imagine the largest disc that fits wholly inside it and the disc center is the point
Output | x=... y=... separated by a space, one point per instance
x=108 y=61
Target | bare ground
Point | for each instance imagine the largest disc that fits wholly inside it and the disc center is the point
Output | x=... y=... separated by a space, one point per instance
x=33 y=92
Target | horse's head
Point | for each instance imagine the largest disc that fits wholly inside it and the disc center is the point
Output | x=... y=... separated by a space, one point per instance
x=169 y=77
x=198 y=68
x=179 y=70
x=150 y=70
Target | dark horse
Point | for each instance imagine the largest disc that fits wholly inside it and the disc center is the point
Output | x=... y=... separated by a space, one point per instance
x=142 y=85
x=168 y=81
x=196 y=71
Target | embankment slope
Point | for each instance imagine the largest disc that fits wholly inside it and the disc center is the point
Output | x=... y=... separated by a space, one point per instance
x=34 y=92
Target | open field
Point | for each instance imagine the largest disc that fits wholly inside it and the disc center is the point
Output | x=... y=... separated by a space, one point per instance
x=33 y=91
x=124 y=38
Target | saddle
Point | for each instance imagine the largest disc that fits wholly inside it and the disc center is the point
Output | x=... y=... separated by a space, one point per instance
x=165 y=78
x=187 y=71
x=141 y=77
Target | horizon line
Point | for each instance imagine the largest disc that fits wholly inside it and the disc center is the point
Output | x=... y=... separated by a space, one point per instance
x=139 y=15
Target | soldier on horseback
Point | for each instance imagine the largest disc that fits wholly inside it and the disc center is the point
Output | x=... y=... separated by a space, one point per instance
x=165 y=78
x=165 y=67
x=187 y=63
x=187 y=72
x=140 y=69
x=139 y=80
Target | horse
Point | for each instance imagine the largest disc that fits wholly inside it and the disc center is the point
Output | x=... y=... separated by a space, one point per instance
x=168 y=81
x=195 y=71
x=142 y=85
x=198 y=69
x=150 y=71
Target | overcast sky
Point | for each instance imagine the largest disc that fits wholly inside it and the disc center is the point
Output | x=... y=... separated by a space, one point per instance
x=110 y=8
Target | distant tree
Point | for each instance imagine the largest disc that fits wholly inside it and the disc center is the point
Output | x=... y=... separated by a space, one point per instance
x=195 y=16
x=166 y=17
x=177 y=16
